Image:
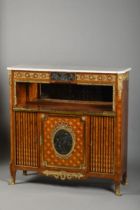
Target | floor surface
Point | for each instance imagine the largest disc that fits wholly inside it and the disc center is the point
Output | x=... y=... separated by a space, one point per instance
x=36 y=192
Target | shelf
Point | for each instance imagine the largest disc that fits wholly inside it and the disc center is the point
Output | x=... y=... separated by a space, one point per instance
x=66 y=106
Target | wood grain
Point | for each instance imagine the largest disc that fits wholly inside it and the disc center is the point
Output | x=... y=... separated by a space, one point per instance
x=100 y=128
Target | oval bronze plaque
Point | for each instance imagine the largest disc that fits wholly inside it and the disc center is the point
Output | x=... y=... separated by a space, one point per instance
x=63 y=142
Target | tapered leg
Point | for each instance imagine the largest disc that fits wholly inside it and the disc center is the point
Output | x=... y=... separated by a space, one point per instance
x=24 y=172
x=13 y=174
x=117 y=189
x=124 y=179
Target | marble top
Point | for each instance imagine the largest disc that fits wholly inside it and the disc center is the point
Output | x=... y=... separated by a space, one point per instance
x=87 y=69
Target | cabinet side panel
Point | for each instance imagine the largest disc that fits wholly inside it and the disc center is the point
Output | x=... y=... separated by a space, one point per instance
x=122 y=121
x=124 y=124
x=102 y=144
x=26 y=138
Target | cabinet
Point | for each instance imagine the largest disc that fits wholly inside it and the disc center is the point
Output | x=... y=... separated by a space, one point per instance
x=69 y=123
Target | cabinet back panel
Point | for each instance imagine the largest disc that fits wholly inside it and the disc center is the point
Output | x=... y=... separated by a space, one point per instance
x=77 y=92
x=26 y=137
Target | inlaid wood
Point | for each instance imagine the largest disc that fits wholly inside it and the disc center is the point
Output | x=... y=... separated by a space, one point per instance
x=103 y=141
x=76 y=127
x=26 y=139
x=57 y=132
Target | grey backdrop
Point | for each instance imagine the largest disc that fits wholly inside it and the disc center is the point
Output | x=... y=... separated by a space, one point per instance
x=72 y=32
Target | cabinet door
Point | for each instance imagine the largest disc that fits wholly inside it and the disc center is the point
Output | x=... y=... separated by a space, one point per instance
x=102 y=144
x=64 y=141
x=26 y=139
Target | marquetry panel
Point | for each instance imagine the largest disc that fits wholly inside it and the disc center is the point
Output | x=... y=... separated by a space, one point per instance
x=30 y=76
x=102 y=144
x=26 y=139
x=76 y=127
x=96 y=78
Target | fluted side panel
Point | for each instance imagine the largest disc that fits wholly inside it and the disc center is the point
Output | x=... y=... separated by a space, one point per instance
x=26 y=139
x=102 y=144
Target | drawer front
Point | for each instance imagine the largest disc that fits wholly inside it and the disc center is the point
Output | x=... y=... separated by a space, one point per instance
x=26 y=139
x=64 y=141
x=102 y=144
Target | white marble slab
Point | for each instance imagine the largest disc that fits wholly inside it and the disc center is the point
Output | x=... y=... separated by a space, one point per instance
x=81 y=69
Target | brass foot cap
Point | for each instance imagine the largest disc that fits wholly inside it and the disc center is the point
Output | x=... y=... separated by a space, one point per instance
x=126 y=182
x=118 y=193
x=11 y=182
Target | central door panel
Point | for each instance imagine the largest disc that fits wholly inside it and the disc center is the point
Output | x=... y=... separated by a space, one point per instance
x=64 y=141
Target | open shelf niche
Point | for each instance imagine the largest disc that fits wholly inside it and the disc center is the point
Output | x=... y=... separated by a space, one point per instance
x=64 y=96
